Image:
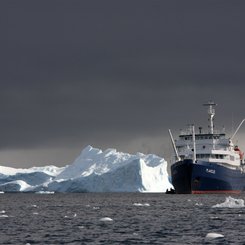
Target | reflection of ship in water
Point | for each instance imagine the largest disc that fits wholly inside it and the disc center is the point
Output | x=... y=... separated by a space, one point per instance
x=207 y=162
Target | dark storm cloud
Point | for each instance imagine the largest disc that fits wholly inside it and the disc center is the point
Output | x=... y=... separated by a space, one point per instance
x=100 y=72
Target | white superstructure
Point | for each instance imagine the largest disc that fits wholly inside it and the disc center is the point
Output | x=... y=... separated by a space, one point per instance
x=208 y=146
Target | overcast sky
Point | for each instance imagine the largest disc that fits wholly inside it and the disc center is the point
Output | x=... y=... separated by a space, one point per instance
x=115 y=74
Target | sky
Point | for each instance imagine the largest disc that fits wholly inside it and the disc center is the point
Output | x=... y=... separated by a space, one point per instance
x=115 y=74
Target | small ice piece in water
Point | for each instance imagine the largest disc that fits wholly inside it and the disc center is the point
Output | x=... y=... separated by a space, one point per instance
x=141 y=204
x=106 y=219
x=96 y=208
x=1 y=192
x=199 y=204
x=214 y=217
x=4 y=216
x=81 y=227
x=35 y=213
x=213 y=235
x=45 y=192
x=2 y=212
x=75 y=215
x=230 y=202
x=34 y=206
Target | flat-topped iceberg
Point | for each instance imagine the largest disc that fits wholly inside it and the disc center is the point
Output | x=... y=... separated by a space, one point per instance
x=93 y=170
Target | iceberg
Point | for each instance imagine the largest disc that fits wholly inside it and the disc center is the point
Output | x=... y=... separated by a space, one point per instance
x=213 y=235
x=230 y=202
x=93 y=170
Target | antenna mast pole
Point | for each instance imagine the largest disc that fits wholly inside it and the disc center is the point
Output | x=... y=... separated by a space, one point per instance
x=237 y=129
x=211 y=113
x=174 y=146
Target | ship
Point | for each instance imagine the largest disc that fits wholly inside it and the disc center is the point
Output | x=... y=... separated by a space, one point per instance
x=208 y=161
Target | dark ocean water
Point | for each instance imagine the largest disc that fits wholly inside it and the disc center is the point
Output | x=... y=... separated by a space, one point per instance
x=136 y=219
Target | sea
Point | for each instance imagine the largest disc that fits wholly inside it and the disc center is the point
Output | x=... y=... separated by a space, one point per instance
x=121 y=218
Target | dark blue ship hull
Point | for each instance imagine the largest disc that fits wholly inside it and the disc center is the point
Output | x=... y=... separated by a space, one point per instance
x=205 y=177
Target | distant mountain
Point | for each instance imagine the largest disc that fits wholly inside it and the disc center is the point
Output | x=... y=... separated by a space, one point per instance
x=94 y=170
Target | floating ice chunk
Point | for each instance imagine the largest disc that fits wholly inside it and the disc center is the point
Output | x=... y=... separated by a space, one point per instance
x=230 y=202
x=213 y=235
x=141 y=204
x=81 y=227
x=1 y=192
x=45 y=192
x=34 y=206
x=35 y=213
x=214 y=217
x=2 y=212
x=199 y=204
x=106 y=219
x=75 y=215
x=4 y=216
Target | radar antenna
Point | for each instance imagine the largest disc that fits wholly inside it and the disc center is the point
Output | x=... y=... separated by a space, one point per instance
x=211 y=113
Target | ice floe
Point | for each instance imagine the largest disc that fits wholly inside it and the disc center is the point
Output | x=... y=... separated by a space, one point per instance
x=199 y=204
x=106 y=219
x=141 y=204
x=45 y=192
x=4 y=216
x=213 y=235
x=230 y=202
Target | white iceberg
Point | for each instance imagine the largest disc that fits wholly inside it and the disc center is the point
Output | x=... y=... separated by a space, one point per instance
x=230 y=202
x=93 y=170
x=112 y=171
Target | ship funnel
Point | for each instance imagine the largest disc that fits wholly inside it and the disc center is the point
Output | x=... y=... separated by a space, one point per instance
x=211 y=114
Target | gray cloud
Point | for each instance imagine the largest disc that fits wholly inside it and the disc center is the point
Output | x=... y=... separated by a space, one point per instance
x=112 y=73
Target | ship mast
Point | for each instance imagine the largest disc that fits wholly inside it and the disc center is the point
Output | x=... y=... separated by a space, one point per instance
x=211 y=113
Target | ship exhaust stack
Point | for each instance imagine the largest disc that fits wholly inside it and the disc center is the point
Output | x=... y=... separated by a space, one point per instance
x=211 y=114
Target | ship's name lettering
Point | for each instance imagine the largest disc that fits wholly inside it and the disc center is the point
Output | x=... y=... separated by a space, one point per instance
x=211 y=171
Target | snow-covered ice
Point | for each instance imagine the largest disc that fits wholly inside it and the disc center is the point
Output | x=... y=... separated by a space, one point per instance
x=213 y=235
x=230 y=202
x=4 y=216
x=141 y=204
x=45 y=192
x=93 y=170
x=106 y=219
